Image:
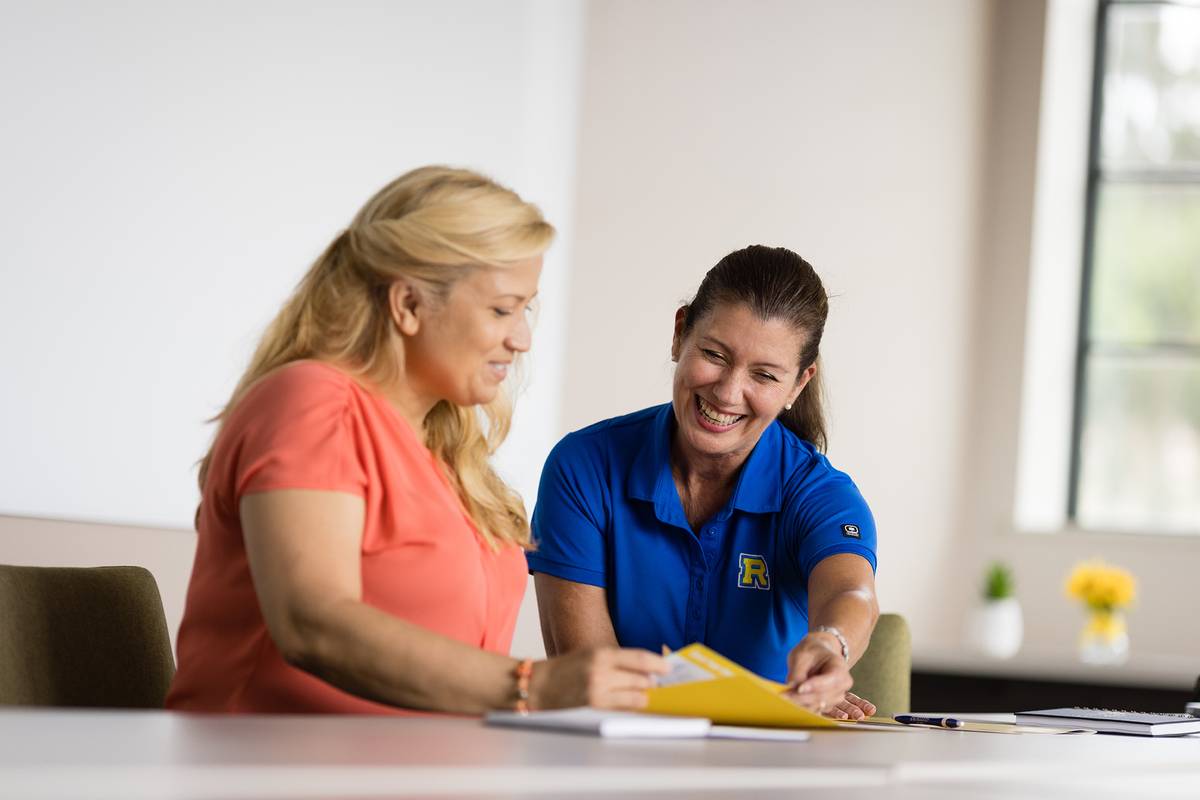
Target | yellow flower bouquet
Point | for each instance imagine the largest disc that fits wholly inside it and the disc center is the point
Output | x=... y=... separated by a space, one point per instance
x=1105 y=591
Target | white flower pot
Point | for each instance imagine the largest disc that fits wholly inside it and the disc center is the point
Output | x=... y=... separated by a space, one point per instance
x=996 y=627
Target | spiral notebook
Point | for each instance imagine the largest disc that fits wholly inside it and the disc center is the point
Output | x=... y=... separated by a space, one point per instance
x=1109 y=720
x=609 y=724
x=631 y=725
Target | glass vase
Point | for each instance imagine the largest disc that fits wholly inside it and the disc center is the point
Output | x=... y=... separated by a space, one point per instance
x=1104 y=639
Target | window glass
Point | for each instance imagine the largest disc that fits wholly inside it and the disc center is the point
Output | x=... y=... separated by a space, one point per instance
x=1146 y=265
x=1140 y=465
x=1151 y=114
x=1136 y=452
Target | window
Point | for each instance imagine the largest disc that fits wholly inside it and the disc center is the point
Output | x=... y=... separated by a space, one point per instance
x=1135 y=460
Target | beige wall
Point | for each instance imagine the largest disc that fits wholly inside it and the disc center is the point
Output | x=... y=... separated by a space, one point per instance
x=57 y=543
x=851 y=132
x=896 y=147
x=1163 y=618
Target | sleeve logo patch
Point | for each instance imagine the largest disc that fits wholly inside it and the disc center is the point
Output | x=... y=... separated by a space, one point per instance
x=752 y=572
x=852 y=531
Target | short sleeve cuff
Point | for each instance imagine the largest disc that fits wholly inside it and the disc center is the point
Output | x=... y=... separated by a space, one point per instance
x=835 y=549
x=568 y=572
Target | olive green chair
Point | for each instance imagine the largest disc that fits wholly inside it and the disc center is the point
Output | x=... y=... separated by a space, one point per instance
x=83 y=636
x=884 y=673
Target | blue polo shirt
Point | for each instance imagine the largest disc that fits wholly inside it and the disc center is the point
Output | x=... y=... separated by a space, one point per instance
x=608 y=514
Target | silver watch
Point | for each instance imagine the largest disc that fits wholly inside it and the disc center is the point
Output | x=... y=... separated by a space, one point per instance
x=838 y=635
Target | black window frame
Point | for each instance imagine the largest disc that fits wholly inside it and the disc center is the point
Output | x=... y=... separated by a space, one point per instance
x=1096 y=176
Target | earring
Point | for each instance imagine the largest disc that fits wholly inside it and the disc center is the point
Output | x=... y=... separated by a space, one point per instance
x=788 y=407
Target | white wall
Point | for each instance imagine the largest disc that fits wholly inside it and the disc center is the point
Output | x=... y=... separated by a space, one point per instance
x=169 y=172
x=171 y=169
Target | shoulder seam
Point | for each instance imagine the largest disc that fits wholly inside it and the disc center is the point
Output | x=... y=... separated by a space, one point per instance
x=623 y=421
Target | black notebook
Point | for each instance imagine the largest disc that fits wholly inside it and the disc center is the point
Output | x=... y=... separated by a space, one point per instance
x=1107 y=720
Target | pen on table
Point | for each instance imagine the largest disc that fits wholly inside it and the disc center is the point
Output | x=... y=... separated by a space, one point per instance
x=916 y=719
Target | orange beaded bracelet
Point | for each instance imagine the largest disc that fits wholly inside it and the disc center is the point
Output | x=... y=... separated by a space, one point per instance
x=523 y=672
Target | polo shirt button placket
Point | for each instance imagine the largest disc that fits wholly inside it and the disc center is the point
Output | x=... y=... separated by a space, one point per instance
x=709 y=544
x=695 y=624
x=697 y=594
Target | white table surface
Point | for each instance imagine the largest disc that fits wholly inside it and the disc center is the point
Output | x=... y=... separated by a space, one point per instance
x=56 y=753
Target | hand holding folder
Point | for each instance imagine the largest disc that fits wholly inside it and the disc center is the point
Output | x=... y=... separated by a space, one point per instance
x=703 y=683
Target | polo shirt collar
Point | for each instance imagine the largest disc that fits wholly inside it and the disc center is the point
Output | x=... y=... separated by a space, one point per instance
x=758 y=488
x=650 y=474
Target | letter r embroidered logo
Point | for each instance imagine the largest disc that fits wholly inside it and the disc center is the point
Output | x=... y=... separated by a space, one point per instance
x=752 y=572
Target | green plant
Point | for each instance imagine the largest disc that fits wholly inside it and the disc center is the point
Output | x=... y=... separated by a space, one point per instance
x=998 y=582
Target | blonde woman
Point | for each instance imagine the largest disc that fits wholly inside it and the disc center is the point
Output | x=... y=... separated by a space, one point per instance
x=356 y=551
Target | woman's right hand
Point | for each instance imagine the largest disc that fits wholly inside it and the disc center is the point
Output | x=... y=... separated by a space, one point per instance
x=605 y=677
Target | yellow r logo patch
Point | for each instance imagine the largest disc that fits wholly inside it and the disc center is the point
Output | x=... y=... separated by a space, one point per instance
x=752 y=572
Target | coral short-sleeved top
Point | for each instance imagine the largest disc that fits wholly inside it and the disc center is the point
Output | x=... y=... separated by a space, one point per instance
x=309 y=425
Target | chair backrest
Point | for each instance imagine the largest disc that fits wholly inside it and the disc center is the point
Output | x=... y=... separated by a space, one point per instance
x=83 y=636
x=884 y=673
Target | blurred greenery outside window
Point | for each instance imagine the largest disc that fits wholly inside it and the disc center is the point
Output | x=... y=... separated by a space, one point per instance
x=1136 y=441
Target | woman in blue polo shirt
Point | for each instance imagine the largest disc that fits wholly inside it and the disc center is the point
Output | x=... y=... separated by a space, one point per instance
x=716 y=518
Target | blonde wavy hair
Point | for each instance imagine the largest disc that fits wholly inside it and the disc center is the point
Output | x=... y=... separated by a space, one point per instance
x=431 y=226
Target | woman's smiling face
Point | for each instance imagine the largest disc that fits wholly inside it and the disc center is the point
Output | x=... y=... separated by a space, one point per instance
x=735 y=373
x=467 y=342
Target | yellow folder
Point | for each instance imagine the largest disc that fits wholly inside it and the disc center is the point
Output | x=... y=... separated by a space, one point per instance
x=703 y=683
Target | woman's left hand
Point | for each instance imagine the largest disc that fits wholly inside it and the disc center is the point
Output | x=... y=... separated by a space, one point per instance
x=852 y=707
x=819 y=677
